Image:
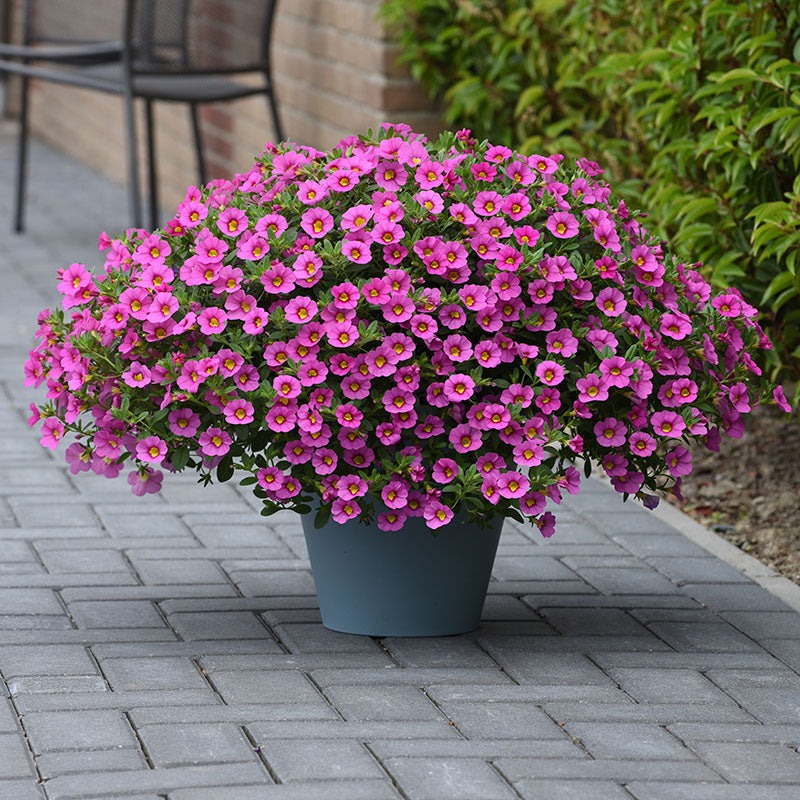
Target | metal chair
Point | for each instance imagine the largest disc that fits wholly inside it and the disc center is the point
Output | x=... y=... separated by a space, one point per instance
x=188 y=51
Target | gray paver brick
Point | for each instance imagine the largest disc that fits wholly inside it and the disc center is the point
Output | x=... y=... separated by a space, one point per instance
x=46 y=684
x=119 y=524
x=533 y=568
x=29 y=601
x=628 y=741
x=78 y=730
x=627 y=580
x=681 y=569
x=461 y=651
x=501 y=720
x=753 y=762
x=21 y=789
x=647 y=790
x=72 y=561
x=694 y=636
x=116 y=614
x=367 y=703
x=528 y=666
x=339 y=790
x=765 y=624
x=720 y=732
x=570 y=790
x=668 y=686
x=38 y=513
x=172 y=745
x=593 y=622
x=661 y=713
x=313 y=638
x=45 y=660
x=117 y=784
x=219 y=625
x=518 y=770
x=729 y=597
x=77 y=761
x=188 y=571
x=322 y=759
x=14 y=759
x=449 y=779
x=274 y=686
x=133 y=674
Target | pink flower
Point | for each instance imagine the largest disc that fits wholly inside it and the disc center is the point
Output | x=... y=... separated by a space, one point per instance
x=641 y=443
x=459 y=387
x=316 y=222
x=444 y=470
x=238 y=412
x=152 y=449
x=679 y=461
x=512 y=484
x=350 y=487
x=676 y=326
x=232 y=222
x=183 y=422
x=546 y=524
x=324 y=460
x=780 y=399
x=465 y=438
x=610 y=301
x=395 y=494
x=136 y=375
x=592 y=387
x=214 y=442
x=437 y=514
x=727 y=305
x=562 y=225
x=212 y=320
x=551 y=373
x=356 y=251
x=300 y=310
x=145 y=481
x=610 y=432
x=616 y=371
x=344 y=510
x=668 y=424
x=392 y=520
x=52 y=432
x=270 y=478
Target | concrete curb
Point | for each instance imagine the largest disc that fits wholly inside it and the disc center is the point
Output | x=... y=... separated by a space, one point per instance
x=784 y=589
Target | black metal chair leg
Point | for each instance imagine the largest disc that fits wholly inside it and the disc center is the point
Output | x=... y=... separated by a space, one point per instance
x=276 y=120
x=22 y=159
x=198 y=144
x=152 y=167
x=134 y=197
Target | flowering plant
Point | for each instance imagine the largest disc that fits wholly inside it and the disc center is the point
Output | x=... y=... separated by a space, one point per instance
x=397 y=328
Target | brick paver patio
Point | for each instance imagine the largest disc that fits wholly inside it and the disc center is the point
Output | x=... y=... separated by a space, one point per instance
x=170 y=647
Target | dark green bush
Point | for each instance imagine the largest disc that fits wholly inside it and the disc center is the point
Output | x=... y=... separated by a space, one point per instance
x=694 y=107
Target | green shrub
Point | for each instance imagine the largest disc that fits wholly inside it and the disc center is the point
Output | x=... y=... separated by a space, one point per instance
x=694 y=107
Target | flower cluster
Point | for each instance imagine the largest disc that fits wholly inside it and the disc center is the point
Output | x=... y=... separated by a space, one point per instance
x=397 y=328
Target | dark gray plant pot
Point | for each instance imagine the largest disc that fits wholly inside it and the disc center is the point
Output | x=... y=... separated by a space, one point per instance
x=401 y=583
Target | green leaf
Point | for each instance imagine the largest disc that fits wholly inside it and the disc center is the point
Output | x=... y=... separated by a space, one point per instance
x=225 y=469
x=322 y=516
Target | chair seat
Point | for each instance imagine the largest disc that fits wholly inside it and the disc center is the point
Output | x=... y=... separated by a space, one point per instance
x=176 y=87
x=67 y=52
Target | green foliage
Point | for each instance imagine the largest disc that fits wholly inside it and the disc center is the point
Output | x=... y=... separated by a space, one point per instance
x=693 y=107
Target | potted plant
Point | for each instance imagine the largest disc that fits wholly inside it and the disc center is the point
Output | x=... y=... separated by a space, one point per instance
x=405 y=342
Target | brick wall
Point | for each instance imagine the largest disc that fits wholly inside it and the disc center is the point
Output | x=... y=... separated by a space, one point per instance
x=335 y=74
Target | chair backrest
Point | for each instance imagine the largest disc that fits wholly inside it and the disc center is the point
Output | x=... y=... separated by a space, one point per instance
x=198 y=36
x=175 y=36
x=73 y=20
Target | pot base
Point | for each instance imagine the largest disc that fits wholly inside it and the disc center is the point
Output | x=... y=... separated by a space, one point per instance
x=401 y=583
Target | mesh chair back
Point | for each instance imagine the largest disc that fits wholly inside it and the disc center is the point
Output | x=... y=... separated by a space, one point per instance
x=199 y=36
x=73 y=20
